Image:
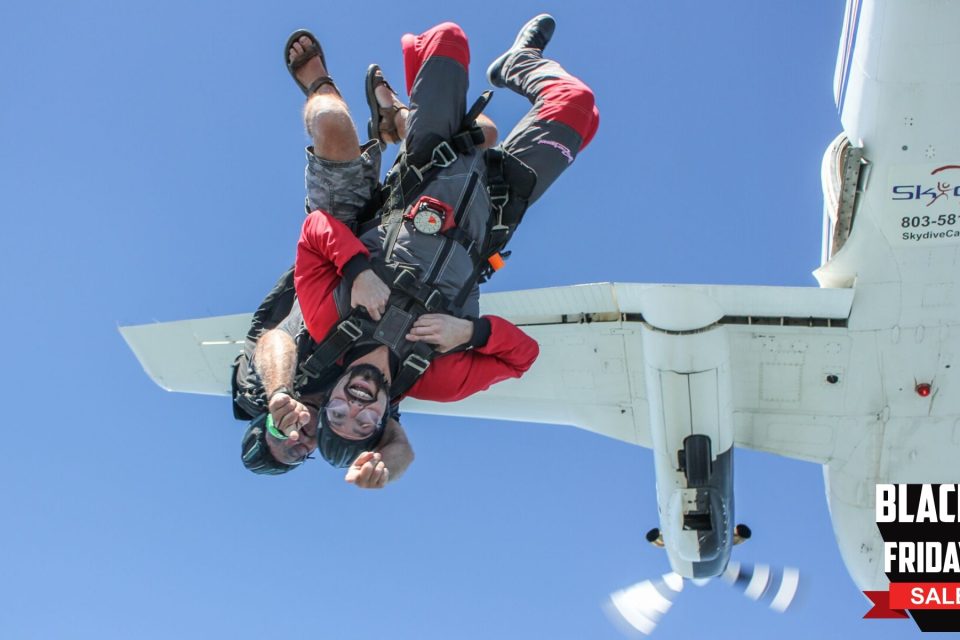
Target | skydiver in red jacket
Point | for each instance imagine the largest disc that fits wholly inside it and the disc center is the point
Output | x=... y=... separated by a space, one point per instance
x=334 y=273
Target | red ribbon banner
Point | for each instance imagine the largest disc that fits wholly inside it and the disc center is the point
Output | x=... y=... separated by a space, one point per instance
x=881 y=606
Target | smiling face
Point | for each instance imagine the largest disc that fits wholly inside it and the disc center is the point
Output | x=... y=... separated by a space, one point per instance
x=357 y=402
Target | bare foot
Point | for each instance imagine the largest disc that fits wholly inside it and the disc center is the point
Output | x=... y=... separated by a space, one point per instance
x=312 y=69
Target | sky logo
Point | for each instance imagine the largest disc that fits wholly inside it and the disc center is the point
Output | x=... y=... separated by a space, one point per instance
x=942 y=190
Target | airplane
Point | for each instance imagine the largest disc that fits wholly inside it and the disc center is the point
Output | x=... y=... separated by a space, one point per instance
x=855 y=375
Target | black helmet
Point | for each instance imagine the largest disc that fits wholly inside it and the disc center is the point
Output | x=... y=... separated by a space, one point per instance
x=340 y=451
x=256 y=455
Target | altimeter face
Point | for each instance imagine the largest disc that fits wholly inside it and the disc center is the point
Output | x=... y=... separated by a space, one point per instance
x=427 y=221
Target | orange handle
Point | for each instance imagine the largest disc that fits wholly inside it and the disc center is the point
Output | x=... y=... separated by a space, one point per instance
x=496 y=261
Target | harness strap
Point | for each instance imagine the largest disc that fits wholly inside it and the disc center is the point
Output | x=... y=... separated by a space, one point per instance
x=470 y=119
x=412 y=367
x=509 y=185
x=460 y=237
x=412 y=171
x=419 y=355
x=394 y=217
x=335 y=345
x=428 y=297
x=367 y=216
x=407 y=178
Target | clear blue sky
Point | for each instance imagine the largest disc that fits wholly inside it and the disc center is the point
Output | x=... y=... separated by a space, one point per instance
x=151 y=168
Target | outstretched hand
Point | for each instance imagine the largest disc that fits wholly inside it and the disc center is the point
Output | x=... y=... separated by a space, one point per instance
x=369 y=292
x=442 y=331
x=288 y=415
x=368 y=471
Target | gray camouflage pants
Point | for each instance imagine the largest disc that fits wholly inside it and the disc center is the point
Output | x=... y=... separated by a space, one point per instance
x=342 y=189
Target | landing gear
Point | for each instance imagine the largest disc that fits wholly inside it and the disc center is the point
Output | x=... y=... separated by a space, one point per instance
x=741 y=533
x=654 y=537
x=696 y=460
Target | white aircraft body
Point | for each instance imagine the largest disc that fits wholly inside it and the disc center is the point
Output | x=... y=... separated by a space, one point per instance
x=856 y=375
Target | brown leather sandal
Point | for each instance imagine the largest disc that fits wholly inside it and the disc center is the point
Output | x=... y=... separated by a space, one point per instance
x=313 y=50
x=382 y=119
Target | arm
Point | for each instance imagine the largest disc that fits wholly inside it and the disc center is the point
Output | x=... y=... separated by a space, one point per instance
x=395 y=449
x=446 y=332
x=507 y=352
x=275 y=361
x=327 y=239
x=326 y=253
x=374 y=469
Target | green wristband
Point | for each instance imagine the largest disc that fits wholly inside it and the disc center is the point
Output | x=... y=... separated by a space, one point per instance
x=272 y=429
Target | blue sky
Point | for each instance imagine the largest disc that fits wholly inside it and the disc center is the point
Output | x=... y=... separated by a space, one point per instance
x=151 y=168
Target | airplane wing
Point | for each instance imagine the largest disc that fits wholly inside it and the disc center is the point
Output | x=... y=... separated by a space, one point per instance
x=790 y=355
x=785 y=342
x=191 y=356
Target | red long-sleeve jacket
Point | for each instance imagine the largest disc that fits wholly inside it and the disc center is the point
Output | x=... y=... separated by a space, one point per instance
x=327 y=248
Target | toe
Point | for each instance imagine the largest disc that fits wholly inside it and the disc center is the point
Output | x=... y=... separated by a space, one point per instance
x=295 y=51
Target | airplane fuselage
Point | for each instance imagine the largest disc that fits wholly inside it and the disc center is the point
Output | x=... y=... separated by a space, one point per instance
x=892 y=235
x=896 y=86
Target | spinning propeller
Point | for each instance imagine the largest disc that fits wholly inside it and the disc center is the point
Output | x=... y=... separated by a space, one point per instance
x=641 y=606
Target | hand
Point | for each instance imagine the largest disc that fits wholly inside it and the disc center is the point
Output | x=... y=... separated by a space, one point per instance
x=368 y=471
x=369 y=292
x=288 y=414
x=442 y=331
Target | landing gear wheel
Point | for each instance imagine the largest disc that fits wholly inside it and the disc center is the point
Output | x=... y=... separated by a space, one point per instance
x=654 y=538
x=696 y=453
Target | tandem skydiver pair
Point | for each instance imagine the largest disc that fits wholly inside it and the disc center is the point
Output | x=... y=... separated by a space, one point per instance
x=383 y=301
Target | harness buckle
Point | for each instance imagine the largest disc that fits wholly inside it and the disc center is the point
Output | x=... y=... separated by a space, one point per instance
x=418 y=363
x=353 y=331
x=443 y=155
x=419 y=172
x=307 y=372
x=434 y=300
x=499 y=196
x=405 y=279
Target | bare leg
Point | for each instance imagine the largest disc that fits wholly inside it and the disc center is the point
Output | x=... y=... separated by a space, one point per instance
x=326 y=116
x=489 y=131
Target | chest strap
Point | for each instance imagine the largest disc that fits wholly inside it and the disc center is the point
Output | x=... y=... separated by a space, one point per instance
x=411 y=368
x=415 y=357
x=329 y=350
